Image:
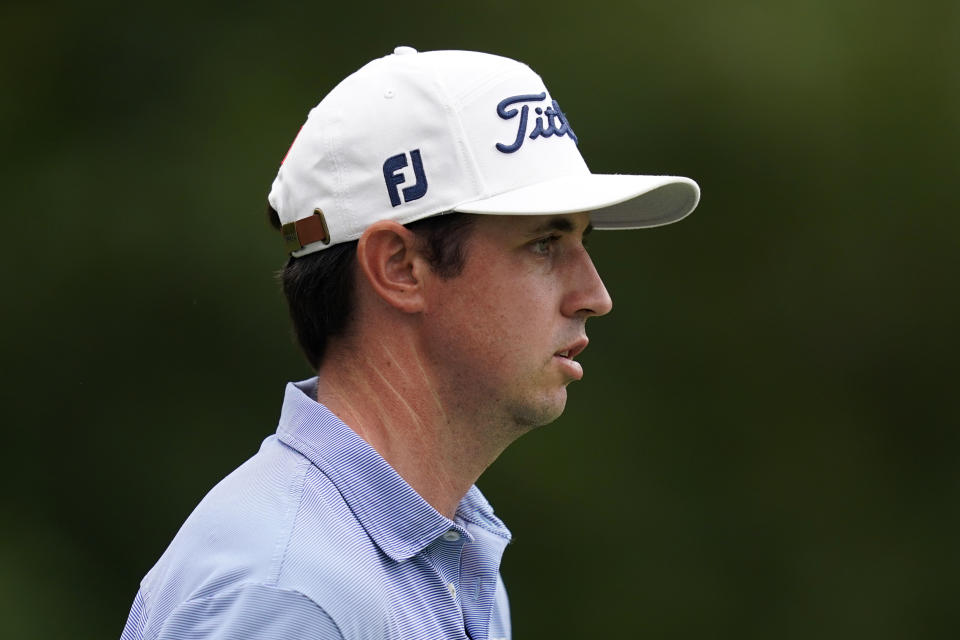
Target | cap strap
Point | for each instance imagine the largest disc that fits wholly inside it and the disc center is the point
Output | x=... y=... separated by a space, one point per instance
x=302 y=232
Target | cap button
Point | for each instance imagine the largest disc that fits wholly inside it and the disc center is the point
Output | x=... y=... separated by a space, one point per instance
x=403 y=51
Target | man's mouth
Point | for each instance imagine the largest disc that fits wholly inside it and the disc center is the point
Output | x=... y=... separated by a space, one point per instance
x=574 y=349
x=573 y=368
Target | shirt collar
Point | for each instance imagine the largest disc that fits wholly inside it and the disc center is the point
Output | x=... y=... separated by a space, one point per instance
x=393 y=514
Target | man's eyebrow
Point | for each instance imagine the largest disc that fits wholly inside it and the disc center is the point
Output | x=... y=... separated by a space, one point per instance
x=559 y=224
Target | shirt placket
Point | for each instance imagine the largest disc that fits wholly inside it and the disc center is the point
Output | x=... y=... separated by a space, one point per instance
x=444 y=555
x=479 y=568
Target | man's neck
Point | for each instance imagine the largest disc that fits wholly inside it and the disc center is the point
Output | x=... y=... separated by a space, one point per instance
x=386 y=394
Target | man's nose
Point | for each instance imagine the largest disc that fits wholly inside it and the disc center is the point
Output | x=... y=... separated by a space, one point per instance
x=588 y=296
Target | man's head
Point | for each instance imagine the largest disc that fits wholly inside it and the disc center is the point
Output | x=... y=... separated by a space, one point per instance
x=456 y=174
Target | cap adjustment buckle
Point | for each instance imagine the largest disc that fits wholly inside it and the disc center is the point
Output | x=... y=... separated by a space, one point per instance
x=300 y=233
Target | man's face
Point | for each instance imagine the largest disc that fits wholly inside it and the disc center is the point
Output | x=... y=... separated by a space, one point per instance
x=505 y=331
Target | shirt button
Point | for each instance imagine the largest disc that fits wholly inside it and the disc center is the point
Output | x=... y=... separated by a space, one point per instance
x=451 y=536
x=452 y=589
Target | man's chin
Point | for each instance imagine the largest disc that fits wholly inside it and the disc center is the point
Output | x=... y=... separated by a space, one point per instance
x=533 y=415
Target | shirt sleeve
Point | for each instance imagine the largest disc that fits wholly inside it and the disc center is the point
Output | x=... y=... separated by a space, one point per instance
x=250 y=611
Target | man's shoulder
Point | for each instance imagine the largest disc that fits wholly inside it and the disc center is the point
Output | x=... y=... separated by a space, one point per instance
x=276 y=521
x=233 y=533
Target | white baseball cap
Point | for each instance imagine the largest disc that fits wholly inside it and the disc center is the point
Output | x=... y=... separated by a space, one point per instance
x=413 y=135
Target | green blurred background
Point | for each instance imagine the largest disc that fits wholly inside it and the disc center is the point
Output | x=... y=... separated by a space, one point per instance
x=765 y=444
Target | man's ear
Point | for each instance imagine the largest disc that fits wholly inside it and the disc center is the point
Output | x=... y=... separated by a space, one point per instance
x=389 y=257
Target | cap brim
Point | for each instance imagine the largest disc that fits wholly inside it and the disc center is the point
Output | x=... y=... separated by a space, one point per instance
x=614 y=201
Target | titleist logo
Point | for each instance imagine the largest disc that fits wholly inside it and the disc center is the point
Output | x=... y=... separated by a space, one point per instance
x=556 y=123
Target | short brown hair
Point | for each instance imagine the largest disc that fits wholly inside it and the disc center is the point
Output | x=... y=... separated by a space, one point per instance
x=319 y=286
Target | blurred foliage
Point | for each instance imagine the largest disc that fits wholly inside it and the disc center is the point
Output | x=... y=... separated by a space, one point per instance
x=765 y=443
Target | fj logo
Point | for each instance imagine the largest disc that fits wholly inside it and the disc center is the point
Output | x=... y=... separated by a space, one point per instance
x=393 y=178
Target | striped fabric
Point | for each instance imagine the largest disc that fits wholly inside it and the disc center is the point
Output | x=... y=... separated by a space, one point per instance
x=316 y=536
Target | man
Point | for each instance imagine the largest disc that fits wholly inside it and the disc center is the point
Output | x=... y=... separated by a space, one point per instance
x=435 y=207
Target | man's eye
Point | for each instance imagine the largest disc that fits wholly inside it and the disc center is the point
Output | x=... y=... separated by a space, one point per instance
x=543 y=246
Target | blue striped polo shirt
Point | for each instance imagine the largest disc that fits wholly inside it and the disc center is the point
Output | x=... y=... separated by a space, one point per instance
x=316 y=536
